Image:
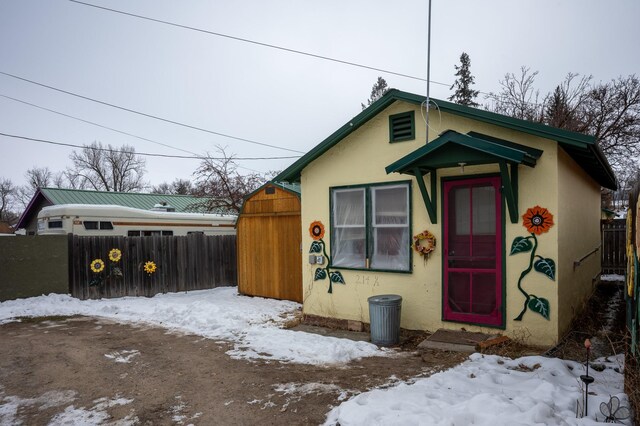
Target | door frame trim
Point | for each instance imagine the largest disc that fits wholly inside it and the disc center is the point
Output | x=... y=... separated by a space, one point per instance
x=503 y=308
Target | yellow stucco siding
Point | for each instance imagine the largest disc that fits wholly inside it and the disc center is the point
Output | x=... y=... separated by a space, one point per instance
x=578 y=222
x=361 y=158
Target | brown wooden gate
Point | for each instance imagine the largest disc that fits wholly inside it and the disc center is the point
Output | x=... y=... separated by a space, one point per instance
x=269 y=244
x=614 y=258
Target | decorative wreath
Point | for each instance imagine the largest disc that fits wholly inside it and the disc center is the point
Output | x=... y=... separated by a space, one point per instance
x=424 y=243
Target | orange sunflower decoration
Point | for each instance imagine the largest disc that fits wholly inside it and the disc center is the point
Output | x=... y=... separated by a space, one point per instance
x=316 y=230
x=537 y=220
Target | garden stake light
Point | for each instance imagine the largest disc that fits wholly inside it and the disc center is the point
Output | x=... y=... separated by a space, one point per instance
x=586 y=378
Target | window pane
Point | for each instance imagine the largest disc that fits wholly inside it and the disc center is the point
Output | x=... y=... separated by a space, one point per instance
x=391 y=205
x=391 y=249
x=90 y=224
x=348 y=228
x=484 y=210
x=55 y=224
x=484 y=293
x=458 y=224
x=106 y=225
x=348 y=247
x=348 y=207
x=133 y=233
x=459 y=288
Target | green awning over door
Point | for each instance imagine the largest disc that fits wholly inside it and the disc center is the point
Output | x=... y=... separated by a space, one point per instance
x=453 y=149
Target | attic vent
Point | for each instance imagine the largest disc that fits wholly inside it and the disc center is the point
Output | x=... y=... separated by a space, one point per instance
x=269 y=190
x=402 y=127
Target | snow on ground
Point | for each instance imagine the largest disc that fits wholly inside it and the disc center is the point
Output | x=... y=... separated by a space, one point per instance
x=485 y=390
x=489 y=390
x=612 y=277
x=252 y=323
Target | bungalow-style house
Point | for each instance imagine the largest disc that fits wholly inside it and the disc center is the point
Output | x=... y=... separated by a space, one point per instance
x=493 y=223
x=45 y=197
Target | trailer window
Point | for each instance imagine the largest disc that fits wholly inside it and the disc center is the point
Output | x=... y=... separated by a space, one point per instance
x=55 y=224
x=167 y=233
x=133 y=233
x=150 y=233
x=106 y=225
x=89 y=224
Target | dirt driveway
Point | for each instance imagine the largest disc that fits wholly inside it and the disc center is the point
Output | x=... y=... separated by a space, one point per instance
x=87 y=370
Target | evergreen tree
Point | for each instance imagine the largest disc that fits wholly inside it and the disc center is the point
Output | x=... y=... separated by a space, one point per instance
x=463 y=94
x=377 y=91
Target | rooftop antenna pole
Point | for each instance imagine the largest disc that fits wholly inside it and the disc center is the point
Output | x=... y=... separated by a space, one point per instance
x=428 y=72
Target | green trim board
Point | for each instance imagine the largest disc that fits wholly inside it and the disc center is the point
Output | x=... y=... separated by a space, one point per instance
x=368 y=222
x=594 y=162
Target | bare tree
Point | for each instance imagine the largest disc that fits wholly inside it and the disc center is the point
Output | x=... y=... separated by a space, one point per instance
x=7 y=198
x=518 y=98
x=107 y=168
x=221 y=185
x=608 y=111
x=177 y=187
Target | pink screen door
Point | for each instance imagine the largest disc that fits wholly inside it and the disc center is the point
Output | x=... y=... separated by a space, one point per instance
x=473 y=251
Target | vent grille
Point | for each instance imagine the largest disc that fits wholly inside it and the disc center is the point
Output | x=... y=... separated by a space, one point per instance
x=401 y=127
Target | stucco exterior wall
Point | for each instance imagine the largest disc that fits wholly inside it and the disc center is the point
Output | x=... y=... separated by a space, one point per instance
x=360 y=159
x=578 y=222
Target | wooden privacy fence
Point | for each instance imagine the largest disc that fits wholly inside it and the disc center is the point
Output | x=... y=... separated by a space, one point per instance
x=192 y=262
x=614 y=258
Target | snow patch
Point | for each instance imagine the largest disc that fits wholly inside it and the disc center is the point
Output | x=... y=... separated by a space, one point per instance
x=252 y=323
x=123 y=356
x=489 y=390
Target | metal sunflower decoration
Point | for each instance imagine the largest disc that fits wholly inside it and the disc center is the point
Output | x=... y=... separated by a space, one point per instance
x=316 y=230
x=537 y=220
x=115 y=255
x=97 y=265
x=150 y=267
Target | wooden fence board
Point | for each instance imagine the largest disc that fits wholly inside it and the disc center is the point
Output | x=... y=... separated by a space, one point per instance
x=183 y=263
x=614 y=257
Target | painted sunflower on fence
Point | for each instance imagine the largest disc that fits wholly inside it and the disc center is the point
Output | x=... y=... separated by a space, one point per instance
x=150 y=267
x=97 y=265
x=115 y=255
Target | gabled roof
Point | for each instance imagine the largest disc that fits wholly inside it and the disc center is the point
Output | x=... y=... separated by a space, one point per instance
x=182 y=203
x=452 y=148
x=582 y=148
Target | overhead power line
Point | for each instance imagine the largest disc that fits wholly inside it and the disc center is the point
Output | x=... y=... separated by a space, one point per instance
x=96 y=124
x=146 y=154
x=166 y=120
x=259 y=43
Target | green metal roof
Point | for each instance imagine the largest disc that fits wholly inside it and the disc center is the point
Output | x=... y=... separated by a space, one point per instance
x=452 y=148
x=582 y=148
x=182 y=203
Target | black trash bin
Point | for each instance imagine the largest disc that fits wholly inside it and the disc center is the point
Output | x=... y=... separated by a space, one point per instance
x=384 y=317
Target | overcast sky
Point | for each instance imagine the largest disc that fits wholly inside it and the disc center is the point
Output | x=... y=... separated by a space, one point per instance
x=258 y=93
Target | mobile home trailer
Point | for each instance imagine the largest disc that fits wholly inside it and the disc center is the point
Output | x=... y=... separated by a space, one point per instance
x=109 y=220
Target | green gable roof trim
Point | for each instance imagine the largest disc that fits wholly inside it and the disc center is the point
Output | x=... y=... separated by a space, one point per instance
x=182 y=203
x=582 y=148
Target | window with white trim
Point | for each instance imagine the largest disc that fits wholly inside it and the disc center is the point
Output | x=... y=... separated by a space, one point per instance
x=370 y=227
